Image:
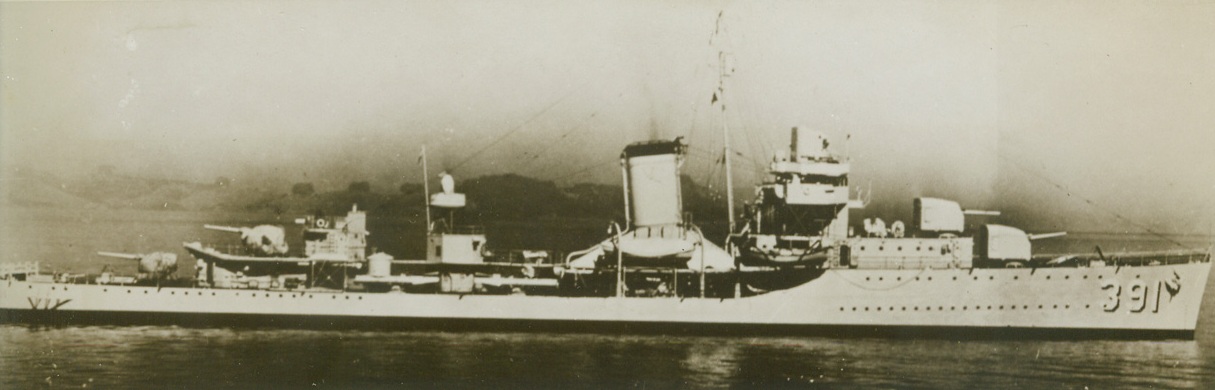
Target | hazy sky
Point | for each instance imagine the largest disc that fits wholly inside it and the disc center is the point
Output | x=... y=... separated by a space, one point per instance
x=988 y=102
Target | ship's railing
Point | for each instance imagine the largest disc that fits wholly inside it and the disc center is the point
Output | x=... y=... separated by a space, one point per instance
x=909 y=262
x=22 y=268
x=1124 y=258
x=441 y=226
x=1157 y=259
x=534 y=257
x=466 y=230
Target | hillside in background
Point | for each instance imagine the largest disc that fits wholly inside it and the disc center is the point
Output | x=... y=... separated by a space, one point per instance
x=492 y=200
x=496 y=198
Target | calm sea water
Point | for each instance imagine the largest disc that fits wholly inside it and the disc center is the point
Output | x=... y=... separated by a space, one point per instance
x=176 y=357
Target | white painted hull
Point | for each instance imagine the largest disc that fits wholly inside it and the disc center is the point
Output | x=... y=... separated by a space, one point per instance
x=1104 y=298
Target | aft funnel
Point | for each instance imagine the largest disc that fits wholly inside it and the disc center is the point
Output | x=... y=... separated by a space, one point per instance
x=652 y=175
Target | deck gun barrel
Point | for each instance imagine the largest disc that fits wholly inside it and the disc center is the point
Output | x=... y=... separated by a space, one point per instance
x=223 y=228
x=155 y=265
x=1040 y=236
x=127 y=256
x=988 y=213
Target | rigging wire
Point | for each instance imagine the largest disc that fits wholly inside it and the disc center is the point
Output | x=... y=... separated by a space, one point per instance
x=587 y=168
x=1090 y=202
x=514 y=130
x=546 y=148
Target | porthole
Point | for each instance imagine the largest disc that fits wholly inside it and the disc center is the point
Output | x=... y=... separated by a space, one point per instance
x=52 y=288
x=940 y=308
x=904 y=308
x=1016 y=277
x=360 y=298
x=991 y=278
x=930 y=249
x=917 y=308
x=1001 y=307
x=1047 y=277
x=212 y=294
x=866 y=309
x=853 y=309
x=900 y=249
x=917 y=249
x=280 y=295
x=963 y=307
x=1086 y=276
x=1067 y=306
x=976 y=278
x=172 y=293
x=1054 y=307
x=866 y=278
x=841 y=309
x=881 y=248
x=105 y=290
x=898 y=279
x=988 y=307
x=955 y=278
x=879 y=308
x=1085 y=306
x=862 y=247
x=1100 y=276
x=881 y=278
x=1039 y=306
x=1026 y=307
x=1067 y=276
x=1136 y=276
x=929 y=278
x=951 y=308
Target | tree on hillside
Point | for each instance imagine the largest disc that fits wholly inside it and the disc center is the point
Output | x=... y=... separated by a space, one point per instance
x=302 y=189
x=359 y=186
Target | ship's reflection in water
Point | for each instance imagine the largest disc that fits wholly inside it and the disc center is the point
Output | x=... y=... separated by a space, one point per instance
x=187 y=357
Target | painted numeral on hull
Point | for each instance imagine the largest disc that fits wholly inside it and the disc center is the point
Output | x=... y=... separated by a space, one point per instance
x=1113 y=291
x=1140 y=294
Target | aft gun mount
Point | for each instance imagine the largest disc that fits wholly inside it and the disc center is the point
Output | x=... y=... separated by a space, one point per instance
x=262 y=240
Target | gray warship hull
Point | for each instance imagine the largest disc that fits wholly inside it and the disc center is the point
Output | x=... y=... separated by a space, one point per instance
x=1150 y=301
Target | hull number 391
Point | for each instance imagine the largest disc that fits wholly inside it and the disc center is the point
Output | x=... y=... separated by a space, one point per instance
x=1140 y=296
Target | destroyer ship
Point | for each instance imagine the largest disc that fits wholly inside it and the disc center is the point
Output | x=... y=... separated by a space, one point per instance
x=795 y=265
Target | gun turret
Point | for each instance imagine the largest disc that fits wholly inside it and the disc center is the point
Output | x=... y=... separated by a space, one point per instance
x=261 y=240
x=155 y=265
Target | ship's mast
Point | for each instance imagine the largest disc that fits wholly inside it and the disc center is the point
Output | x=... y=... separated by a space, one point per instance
x=729 y=177
x=426 y=188
x=725 y=126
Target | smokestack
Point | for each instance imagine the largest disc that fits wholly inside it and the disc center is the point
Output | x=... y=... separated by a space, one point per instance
x=654 y=194
x=808 y=144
